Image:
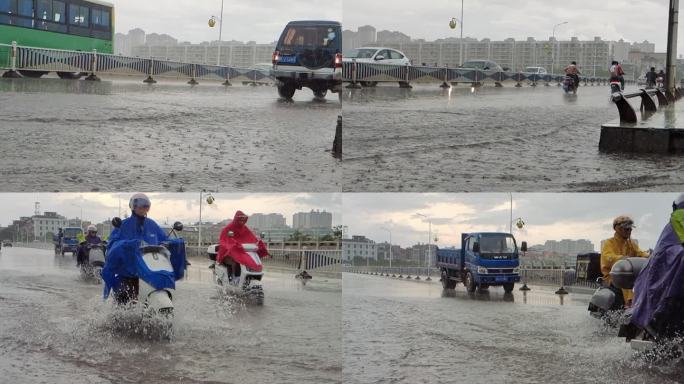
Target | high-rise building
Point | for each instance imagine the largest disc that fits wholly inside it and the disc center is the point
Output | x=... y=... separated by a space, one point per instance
x=311 y=220
x=263 y=221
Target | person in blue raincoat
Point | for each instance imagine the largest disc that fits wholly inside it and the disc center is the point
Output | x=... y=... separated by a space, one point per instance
x=659 y=298
x=121 y=270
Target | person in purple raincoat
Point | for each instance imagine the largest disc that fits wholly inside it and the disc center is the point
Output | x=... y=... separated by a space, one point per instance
x=659 y=288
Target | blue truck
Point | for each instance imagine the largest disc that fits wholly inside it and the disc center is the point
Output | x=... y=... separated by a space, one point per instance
x=485 y=259
x=67 y=240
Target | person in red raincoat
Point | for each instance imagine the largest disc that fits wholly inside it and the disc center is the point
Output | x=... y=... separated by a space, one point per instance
x=231 y=246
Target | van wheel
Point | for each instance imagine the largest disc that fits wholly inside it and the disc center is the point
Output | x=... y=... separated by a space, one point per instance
x=320 y=94
x=286 y=90
x=470 y=282
x=508 y=287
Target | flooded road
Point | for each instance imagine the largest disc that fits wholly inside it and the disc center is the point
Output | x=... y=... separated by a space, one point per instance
x=55 y=328
x=398 y=331
x=124 y=135
x=489 y=140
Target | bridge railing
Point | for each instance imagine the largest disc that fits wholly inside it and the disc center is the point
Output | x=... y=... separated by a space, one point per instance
x=648 y=106
x=358 y=73
x=538 y=276
x=305 y=259
x=15 y=58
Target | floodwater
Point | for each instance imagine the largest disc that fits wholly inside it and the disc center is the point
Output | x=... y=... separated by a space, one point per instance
x=58 y=135
x=398 y=331
x=489 y=140
x=55 y=328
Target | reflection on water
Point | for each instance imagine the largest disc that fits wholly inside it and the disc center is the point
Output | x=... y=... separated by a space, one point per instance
x=490 y=139
x=62 y=135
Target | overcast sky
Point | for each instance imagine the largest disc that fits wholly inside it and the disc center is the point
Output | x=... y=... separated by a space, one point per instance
x=632 y=20
x=554 y=216
x=261 y=21
x=182 y=207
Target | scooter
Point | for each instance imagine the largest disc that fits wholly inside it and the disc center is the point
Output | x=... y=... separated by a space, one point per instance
x=91 y=268
x=235 y=278
x=569 y=85
x=607 y=302
x=624 y=274
x=615 y=86
x=304 y=277
x=660 y=82
x=157 y=268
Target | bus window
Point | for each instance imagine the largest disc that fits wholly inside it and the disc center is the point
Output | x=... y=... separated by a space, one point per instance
x=105 y=19
x=44 y=10
x=24 y=8
x=78 y=16
x=8 y=6
x=58 y=9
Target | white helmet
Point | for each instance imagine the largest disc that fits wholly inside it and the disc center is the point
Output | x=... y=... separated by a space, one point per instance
x=91 y=228
x=678 y=203
x=139 y=199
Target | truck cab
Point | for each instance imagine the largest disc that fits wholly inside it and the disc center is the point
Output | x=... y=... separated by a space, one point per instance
x=485 y=259
x=70 y=239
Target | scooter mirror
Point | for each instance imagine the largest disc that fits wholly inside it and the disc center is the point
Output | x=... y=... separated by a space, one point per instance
x=262 y=235
x=178 y=226
x=523 y=246
x=116 y=222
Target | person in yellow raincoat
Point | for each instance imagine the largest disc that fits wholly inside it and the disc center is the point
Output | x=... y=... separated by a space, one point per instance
x=677 y=218
x=617 y=247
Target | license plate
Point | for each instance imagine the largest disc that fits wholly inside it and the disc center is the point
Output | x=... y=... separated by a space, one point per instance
x=288 y=59
x=500 y=278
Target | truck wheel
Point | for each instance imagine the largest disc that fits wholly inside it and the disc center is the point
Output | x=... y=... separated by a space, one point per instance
x=470 y=282
x=446 y=282
x=508 y=287
x=286 y=90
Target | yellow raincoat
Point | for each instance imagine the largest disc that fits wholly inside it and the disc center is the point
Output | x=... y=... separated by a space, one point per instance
x=615 y=249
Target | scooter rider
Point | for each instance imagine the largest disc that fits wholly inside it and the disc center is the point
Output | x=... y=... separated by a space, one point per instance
x=231 y=239
x=617 y=247
x=659 y=299
x=136 y=227
x=572 y=71
x=91 y=238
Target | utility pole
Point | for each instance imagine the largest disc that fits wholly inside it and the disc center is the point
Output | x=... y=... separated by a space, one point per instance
x=671 y=65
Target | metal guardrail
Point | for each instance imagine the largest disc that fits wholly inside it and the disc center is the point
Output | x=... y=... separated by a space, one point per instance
x=305 y=259
x=538 y=276
x=358 y=74
x=15 y=58
x=648 y=106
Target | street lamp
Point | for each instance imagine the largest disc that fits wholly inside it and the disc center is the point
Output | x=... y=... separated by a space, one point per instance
x=452 y=24
x=553 y=51
x=212 y=23
x=429 y=253
x=519 y=221
x=210 y=200
x=81 y=208
x=390 y=245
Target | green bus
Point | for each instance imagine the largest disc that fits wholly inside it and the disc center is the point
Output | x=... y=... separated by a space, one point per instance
x=75 y=25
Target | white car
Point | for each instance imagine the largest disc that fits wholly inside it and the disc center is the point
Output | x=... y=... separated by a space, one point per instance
x=379 y=55
x=535 y=71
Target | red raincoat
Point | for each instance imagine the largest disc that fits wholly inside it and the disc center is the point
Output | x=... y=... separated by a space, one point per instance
x=231 y=247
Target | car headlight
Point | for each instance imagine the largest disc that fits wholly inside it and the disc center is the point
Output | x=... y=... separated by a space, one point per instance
x=482 y=270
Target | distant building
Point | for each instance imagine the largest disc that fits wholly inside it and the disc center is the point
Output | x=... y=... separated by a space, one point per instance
x=312 y=220
x=267 y=221
x=43 y=226
x=359 y=246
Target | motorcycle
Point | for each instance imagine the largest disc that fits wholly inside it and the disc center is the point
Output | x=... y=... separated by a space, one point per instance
x=660 y=82
x=233 y=277
x=91 y=267
x=304 y=277
x=569 y=85
x=156 y=268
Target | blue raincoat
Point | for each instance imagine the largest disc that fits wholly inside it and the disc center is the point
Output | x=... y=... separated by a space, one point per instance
x=124 y=255
x=659 y=288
